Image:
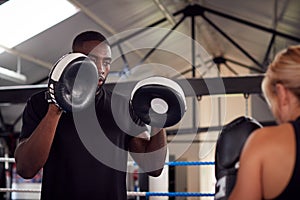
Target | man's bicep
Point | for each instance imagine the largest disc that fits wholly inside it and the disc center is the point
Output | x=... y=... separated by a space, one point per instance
x=30 y=120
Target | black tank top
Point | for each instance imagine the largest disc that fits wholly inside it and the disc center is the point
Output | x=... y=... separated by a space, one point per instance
x=292 y=189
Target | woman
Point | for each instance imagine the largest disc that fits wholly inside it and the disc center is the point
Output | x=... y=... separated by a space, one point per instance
x=270 y=160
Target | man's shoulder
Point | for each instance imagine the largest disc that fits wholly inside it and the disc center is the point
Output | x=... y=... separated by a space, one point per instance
x=37 y=96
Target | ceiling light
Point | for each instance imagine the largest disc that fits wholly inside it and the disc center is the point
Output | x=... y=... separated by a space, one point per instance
x=12 y=75
x=21 y=20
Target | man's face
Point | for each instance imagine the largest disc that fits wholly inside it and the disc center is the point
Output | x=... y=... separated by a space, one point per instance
x=100 y=53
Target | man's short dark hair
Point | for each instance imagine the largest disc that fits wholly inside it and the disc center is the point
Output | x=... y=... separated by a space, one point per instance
x=88 y=36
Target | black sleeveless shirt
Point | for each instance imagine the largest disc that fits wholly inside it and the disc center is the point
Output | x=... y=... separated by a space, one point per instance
x=292 y=189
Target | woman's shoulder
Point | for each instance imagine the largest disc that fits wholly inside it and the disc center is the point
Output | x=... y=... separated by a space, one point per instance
x=269 y=136
x=272 y=131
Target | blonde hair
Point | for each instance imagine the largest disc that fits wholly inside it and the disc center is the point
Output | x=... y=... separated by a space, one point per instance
x=284 y=69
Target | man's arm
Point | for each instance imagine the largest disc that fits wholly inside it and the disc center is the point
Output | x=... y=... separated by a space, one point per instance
x=150 y=154
x=32 y=153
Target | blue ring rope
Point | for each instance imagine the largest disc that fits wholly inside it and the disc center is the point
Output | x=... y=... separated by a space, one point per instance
x=182 y=194
x=184 y=163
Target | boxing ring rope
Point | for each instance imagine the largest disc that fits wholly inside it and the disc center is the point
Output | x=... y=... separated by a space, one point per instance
x=20 y=190
x=172 y=163
x=180 y=194
x=180 y=163
x=188 y=163
x=129 y=193
x=132 y=193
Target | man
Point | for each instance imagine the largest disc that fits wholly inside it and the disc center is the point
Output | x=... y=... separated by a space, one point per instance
x=49 y=139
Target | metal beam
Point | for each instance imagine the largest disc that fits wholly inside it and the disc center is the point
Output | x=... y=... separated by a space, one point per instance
x=99 y=21
x=161 y=41
x=93 y=16
x=202 y=9
x=192 y=87
x=19 y=94
x=27 y=57
x=232 y=41
x=171 y=132
x=144 y=29
x=165 y=12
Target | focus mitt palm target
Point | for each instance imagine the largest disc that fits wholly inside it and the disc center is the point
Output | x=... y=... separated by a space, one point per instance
x=158 y=101
x=72 y=82
x=228 y=149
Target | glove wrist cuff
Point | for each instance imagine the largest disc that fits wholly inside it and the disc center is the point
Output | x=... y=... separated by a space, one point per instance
x=50 y=100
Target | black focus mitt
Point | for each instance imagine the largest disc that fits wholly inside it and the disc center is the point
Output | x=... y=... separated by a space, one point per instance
x=72 y=82
x=158 y=101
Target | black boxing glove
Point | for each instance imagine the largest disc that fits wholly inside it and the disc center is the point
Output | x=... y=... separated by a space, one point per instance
x=72 y=82
x=228 y=149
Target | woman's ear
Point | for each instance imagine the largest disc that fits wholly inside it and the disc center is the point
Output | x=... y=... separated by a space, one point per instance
x=282 y=94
